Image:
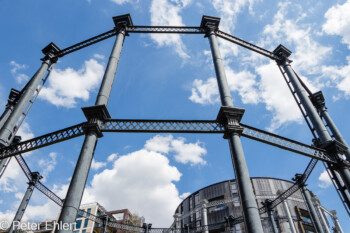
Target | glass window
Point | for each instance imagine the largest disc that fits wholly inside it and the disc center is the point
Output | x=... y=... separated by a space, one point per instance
x=88 y=212
x=86 y=222
x=198 y=215
x=191 y=203
x=80 y=214
x=236 y=200
x=75 y=231
x=196 y=199
x=83 y=231
x=78 y=225
x=233 y=187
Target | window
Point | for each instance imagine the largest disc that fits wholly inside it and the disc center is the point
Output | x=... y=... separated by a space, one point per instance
x=80 y=214
x=196 y=199
x=88 y=212
x=78 y=225
x=233 y=187
x=236 y=200
x=191 y=203
x=75 y=231
x=83 y=231
x=86 y=222
x=306 y=219
x=198 y=215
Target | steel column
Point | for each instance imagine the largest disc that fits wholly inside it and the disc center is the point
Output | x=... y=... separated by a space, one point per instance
x=289 y=216
x=245 y=188
x=317 y=122
x=25 y=200
x=312 y=210
x=8 y=128
x=272 y=219
x=321 y=214
x=205 y=215
x=335 y=131
x=336 y=222
x=76 y=188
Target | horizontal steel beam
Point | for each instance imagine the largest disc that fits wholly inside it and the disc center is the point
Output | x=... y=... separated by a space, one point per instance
x=246 y=44
x=162 y=126
x=286 y=143
x=166 y=29
x=86 y=43
x=166 y=126
x=47 y=192
x=42 y=141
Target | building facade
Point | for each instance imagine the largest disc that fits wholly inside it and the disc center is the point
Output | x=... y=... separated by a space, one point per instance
x=214 y=205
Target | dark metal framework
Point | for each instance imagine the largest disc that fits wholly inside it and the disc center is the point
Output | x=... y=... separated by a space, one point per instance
x=227 y=123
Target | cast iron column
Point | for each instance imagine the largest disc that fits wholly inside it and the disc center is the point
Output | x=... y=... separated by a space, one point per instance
x=204 y=203
x=245 y=188
x=312 y=209
x=9 y=126
x=25 y=200
x=267 y=204
x=336 y=222
x=289 y=216
x=325 y=138
x=320 y=211
x=96 y=114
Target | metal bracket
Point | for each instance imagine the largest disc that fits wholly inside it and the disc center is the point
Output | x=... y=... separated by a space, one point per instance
x=318 y=100
x=230 y=117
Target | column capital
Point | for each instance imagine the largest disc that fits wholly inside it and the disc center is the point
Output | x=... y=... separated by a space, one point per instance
x=95 y=116
x=50 y=52
x=122 y=21
x=204 y=203
x=318 y=100
x=230 y=117
x=282 y=53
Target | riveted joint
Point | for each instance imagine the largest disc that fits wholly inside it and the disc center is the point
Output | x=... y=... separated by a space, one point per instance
x=121 y=23
x=230 y=117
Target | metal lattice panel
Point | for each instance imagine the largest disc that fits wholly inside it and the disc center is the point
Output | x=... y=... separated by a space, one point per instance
x=42 y=141
x=24 y=166
x=246 y=44
x=86 y=43
x=42 y=188
x=165 y=29
x=162 y=126
x=286 y=143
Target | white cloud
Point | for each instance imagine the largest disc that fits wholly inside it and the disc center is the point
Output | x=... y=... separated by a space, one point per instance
x=338 y=22
x=112 y=157
x=121 y=2
x=205 y=92
x=191 y=153
x=66 y=87
x=277 y=97
x=97 y=165
x=184 y=195
x=308 y=53
x=99 y=56
x=159 y=143
x=13 y=177
x=25 y=131
x=20 y=77
x=325 y=180
x=141 y=181
x=164 y=13
x=48 y=165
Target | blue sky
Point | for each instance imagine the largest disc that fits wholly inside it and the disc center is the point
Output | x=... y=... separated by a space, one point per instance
x=170 y=77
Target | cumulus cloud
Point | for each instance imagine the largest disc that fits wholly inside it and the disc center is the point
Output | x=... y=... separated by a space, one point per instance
x=112 y=157
x=164 y=13
x=19 y=77
x=338 y=22
x=325 y=180
x=121 y=2
x=191 y=153
x=97 y=165
x=25 y=131
x=66 y=87
x=48 y=165
x=141 y=181
x=184 y=195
